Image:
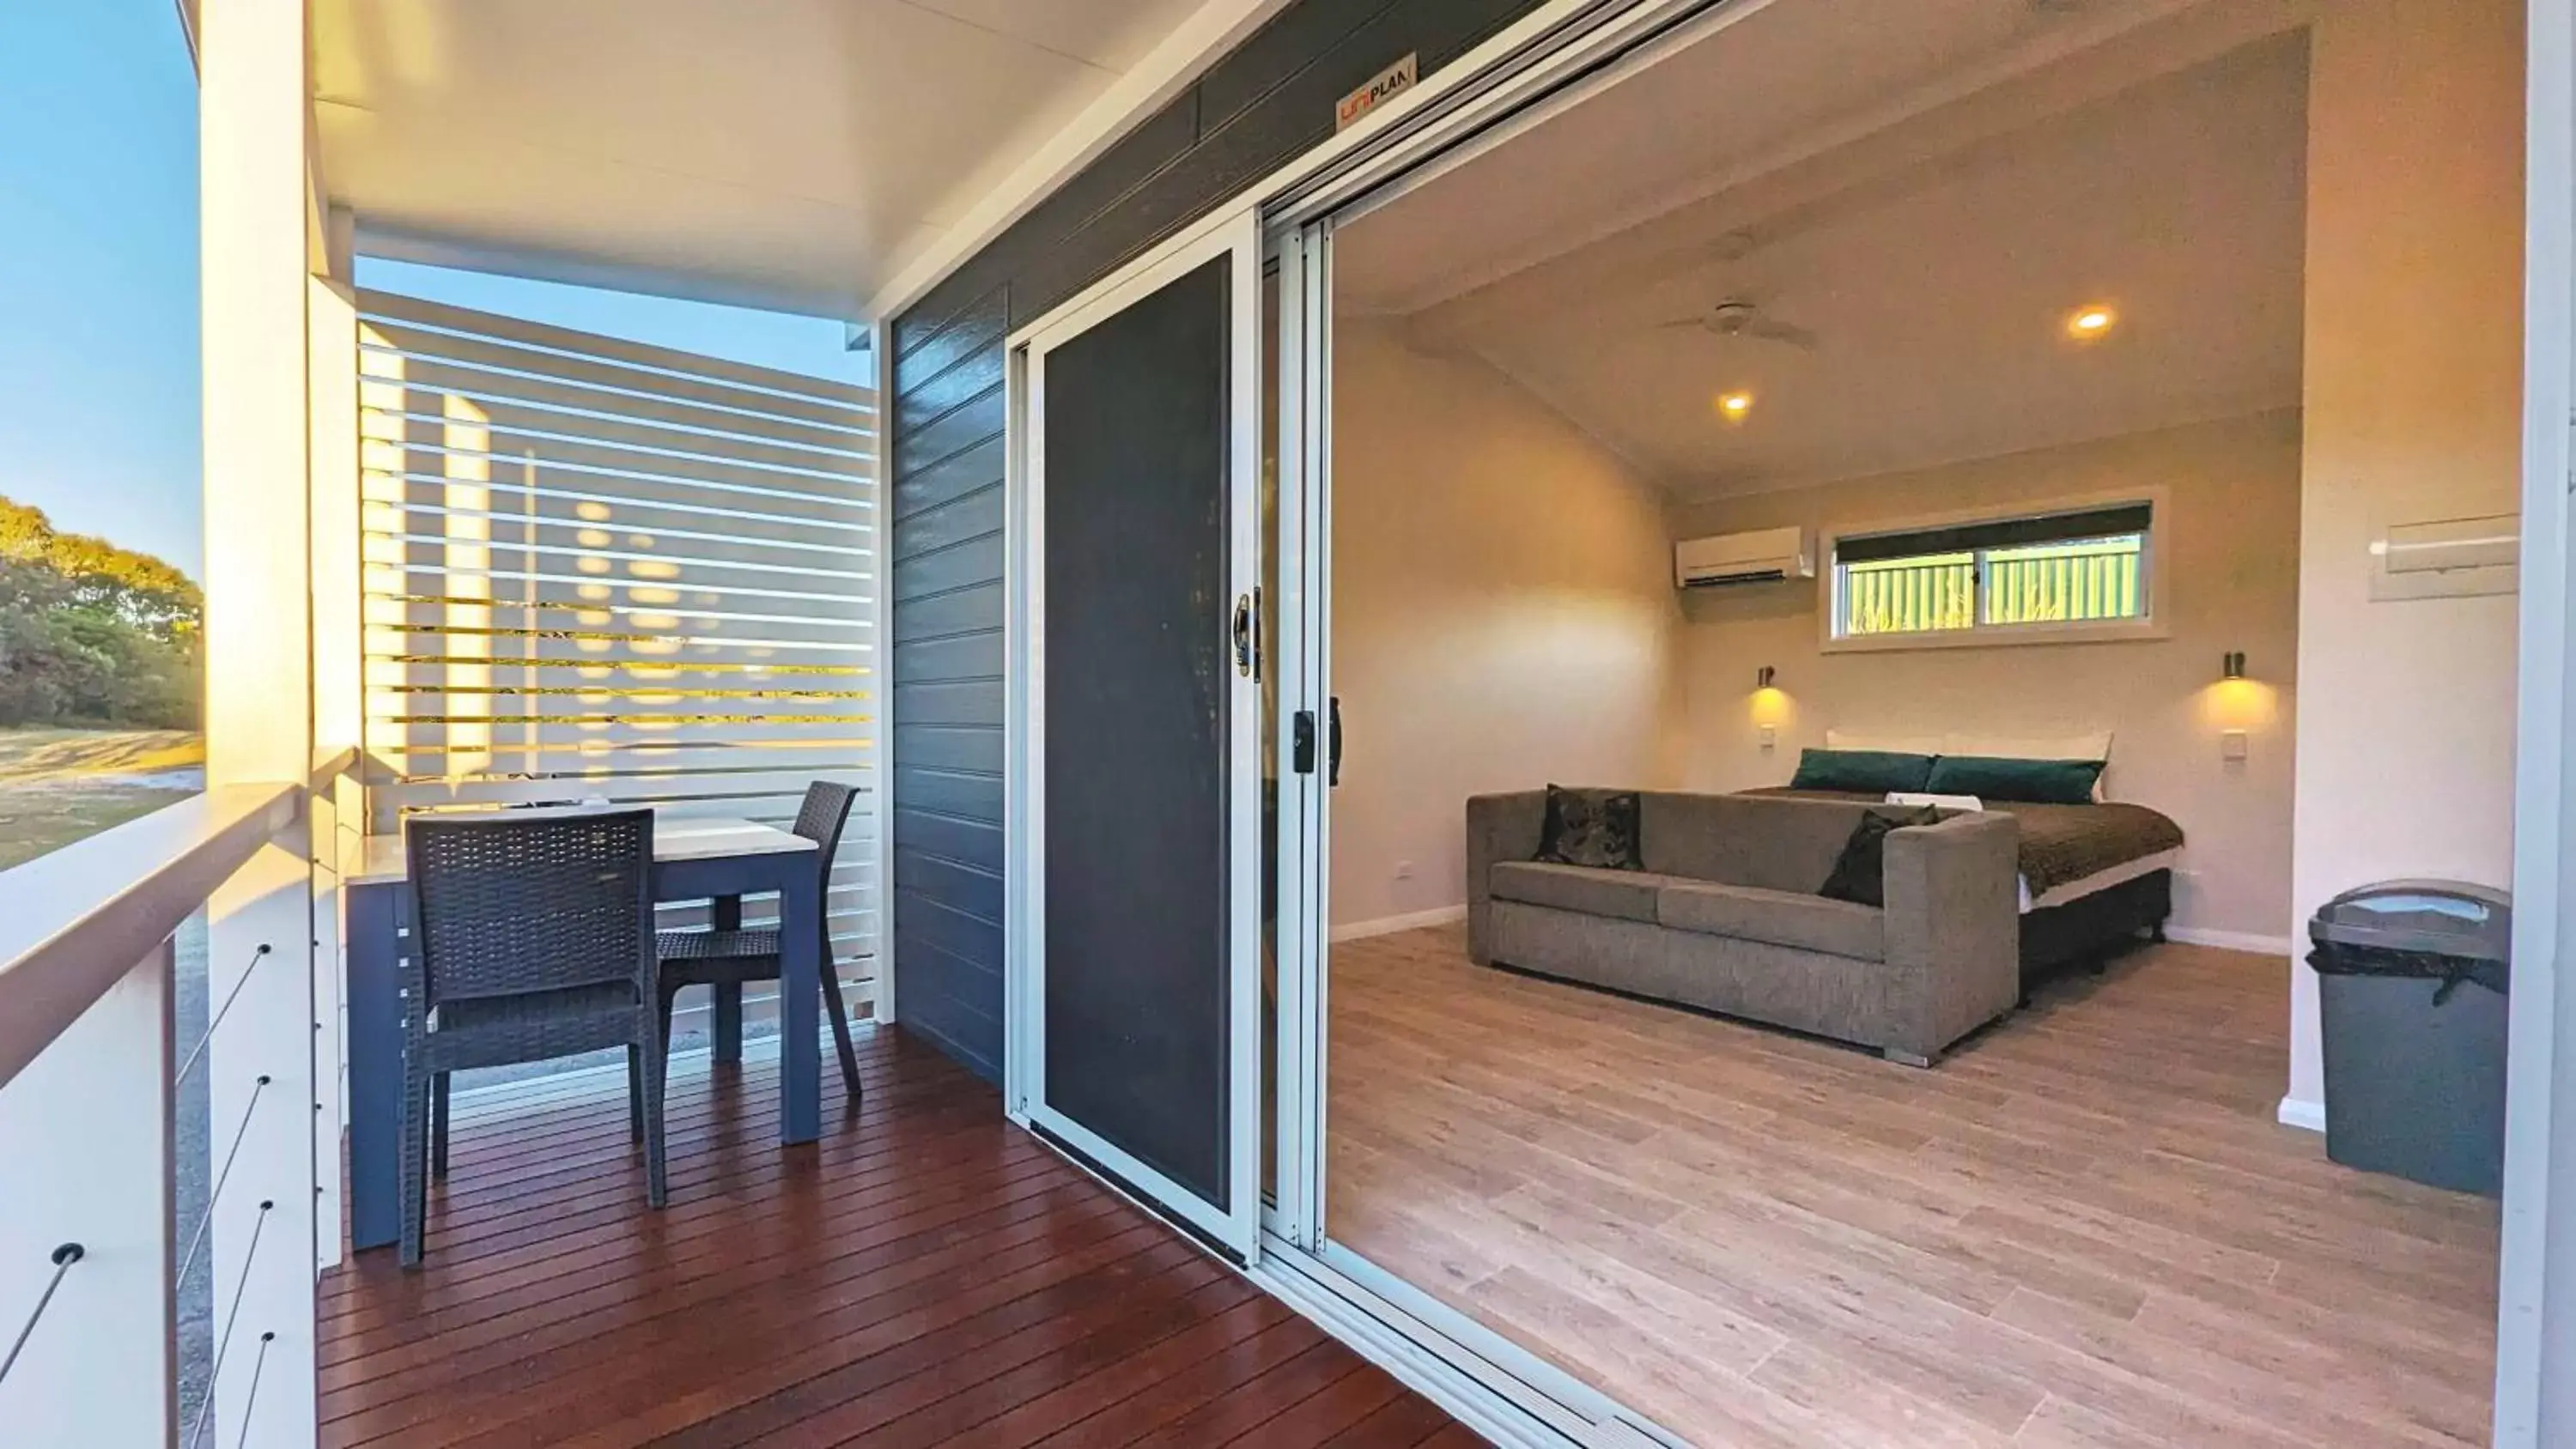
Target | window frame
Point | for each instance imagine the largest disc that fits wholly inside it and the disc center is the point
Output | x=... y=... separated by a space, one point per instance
x=2154 y=624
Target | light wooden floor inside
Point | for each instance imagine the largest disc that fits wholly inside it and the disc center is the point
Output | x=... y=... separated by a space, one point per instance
x=2081 y=1228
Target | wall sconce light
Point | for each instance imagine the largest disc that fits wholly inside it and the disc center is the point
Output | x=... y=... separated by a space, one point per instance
x=2231 y=665
x=1763 y=676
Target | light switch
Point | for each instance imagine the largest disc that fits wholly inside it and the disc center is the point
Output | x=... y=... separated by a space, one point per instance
x=2231 y=745
x=1770 y=736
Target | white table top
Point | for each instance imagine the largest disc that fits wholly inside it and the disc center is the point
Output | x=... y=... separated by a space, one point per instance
x=674 y=838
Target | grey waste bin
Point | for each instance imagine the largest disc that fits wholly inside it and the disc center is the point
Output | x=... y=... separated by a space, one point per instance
x=2413 y=977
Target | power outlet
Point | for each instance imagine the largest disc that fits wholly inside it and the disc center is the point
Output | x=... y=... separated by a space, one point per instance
x=1770 y=737
x=1404 y=870
x=2231 y=746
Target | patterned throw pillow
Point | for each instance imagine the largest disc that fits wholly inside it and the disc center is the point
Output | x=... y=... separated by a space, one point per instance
x=1591 y=827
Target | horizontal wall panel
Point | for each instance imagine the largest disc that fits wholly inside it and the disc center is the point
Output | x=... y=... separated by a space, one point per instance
x=971 y=422
x=971 y=515
x=951 y=747
x=972 y=842
x=979 y=655
x=957 y=886
x=969 y=378
x=963 y=565
x=601 y=571
x=950 y=792
x=981 y=466
x=963 y=610
x=933 y=702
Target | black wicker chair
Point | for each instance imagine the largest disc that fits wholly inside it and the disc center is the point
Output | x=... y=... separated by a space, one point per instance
x=533 y=939
x=728 y=956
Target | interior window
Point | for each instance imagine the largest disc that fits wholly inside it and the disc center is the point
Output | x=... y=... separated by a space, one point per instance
x=2009 y=573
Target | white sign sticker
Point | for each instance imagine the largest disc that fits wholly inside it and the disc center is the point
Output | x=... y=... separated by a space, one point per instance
x=1381 y=88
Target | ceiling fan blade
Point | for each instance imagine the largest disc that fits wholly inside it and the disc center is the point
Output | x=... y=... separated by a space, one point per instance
x=1698 y=322
x=1790 y=333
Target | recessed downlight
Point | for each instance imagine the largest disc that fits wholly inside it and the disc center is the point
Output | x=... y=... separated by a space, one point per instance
x=1733 y=406
x=2091 y=321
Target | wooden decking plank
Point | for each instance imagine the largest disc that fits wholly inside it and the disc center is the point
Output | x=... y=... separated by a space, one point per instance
x=926 y=1274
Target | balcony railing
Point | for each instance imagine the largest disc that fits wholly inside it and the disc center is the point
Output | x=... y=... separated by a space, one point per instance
x=94 y=1241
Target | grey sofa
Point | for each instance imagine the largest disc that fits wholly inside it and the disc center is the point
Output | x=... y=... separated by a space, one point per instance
x=1725 y=916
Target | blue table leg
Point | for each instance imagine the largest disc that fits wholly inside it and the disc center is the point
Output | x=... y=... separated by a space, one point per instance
x=726 y=1029
x=375 y=1064
x=800 y=1001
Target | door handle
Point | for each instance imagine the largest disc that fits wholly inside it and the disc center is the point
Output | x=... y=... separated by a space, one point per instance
x=1333 y=744
x=1301 y=744
x=1247 y=634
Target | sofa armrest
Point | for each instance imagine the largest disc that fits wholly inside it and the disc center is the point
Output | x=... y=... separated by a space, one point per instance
x=1499 y=827
x=1953 y=928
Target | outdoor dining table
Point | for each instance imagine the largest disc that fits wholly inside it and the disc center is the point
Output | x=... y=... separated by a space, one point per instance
x=693 y=859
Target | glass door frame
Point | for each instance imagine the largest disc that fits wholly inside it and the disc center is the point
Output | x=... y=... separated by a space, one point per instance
x=1236 y=1226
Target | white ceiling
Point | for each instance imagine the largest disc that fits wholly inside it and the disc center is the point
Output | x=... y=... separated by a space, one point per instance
x=787 y=153
x=1935 y=204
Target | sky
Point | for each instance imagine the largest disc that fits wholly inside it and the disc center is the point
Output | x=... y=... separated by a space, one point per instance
x=98 y=279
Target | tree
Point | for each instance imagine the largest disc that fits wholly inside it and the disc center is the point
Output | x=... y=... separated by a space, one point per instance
x=91 y=633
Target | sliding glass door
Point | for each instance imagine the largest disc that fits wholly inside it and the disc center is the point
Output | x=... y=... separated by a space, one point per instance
x=1136 y=932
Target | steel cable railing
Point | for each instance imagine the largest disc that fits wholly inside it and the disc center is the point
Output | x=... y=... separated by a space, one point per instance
x=198 y=1052
x=64 y=1257
x=224 y=1340
x=215 y=1193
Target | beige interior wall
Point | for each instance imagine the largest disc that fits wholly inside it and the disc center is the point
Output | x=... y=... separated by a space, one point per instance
x=2229 y=533
x=2414 y=348
x=1503 y=615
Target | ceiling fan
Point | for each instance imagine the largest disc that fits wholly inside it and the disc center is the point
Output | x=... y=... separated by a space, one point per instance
x=1737 y=317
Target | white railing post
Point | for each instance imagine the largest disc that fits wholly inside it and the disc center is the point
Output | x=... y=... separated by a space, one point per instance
x=261 y=237
x=85 y=1143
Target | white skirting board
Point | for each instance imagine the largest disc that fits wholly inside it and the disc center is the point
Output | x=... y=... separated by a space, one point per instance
x=2230 y=940
x=2300 y=1112
x=1389 y=925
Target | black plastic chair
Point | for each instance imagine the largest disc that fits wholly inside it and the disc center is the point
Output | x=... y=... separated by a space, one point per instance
x=532 y=939
x=727 y=957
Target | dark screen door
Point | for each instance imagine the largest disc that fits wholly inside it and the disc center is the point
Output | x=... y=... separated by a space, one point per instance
x=1146 y=698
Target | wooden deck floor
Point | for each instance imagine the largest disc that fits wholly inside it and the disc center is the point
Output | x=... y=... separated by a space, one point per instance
x=928 y=1274
x=2081 y=1228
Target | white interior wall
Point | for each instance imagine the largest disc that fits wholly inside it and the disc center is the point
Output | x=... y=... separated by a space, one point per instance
x=2230 y=520
x=1503 y=616
x=2413 y=411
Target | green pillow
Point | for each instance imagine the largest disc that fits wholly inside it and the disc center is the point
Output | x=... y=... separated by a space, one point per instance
x=2036 y=782
x=1866 y=772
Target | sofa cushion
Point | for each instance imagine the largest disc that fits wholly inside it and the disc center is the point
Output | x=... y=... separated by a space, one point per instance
x=1590 y=827
x=1781 y=918
x=1592 y=890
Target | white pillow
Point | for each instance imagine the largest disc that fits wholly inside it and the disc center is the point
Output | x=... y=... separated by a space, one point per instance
x=1888 y=744
x=2042 y=747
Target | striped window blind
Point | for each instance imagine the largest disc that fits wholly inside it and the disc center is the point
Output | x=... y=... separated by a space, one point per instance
x=597 y=570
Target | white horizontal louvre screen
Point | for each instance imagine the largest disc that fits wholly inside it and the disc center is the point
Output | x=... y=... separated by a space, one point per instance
x=603 y=571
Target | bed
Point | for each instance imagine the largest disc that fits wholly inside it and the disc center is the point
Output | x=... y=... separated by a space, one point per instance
x=2093 y=877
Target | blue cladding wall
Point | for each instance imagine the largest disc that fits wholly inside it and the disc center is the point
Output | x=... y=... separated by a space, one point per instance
x=1247 y=115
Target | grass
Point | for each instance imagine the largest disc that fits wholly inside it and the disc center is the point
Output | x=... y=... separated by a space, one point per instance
x=62 y=785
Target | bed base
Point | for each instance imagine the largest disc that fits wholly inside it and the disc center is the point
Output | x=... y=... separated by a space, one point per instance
x=2090 y=929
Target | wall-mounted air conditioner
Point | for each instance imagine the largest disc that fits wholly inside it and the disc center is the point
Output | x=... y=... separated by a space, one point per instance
x=1764 y=556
